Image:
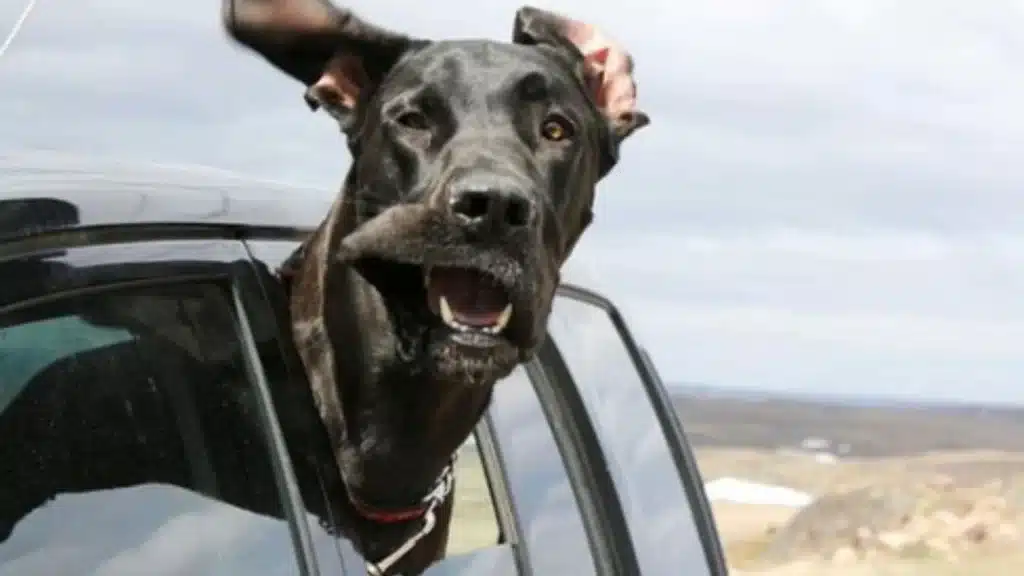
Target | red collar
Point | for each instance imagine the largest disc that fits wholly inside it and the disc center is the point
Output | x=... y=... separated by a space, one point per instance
x=389 y=516
x=438 y=494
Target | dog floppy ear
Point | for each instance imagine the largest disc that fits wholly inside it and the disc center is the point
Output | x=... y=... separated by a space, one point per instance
x=335 y=54
x=607 y=67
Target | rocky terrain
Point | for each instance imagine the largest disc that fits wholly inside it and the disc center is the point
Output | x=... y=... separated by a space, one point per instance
x=918 y=490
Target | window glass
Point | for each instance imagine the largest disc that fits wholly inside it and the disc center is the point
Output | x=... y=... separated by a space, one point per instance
x=549 y=517
x=664 y=531
x=133 y=443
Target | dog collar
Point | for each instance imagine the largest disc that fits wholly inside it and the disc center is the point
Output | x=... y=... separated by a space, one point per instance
x=426 y=511
x=437 y=495
x=389 y=516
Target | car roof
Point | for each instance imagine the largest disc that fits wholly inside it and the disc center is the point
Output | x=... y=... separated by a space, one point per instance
x=50 y=192
x=46 y=192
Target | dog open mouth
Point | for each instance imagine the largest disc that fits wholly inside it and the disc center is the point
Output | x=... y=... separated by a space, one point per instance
x=428 y=277
x=472 y=307
x=470 y=302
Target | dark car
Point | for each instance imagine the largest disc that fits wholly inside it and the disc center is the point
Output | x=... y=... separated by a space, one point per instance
x=154 y=418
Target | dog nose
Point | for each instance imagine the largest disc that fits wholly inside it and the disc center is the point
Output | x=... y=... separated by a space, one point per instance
x=505 y=210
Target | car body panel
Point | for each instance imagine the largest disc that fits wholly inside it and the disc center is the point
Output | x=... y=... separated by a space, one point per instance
x=38 y=197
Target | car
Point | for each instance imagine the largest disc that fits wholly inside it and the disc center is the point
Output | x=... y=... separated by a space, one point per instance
x=156 y=421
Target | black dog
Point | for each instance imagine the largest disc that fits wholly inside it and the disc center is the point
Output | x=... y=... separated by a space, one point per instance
x=432 y=277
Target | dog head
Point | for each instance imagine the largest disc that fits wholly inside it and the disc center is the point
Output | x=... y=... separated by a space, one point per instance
x=474 y=165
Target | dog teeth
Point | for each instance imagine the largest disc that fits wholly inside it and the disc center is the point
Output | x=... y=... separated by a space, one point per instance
x=448 y=317
x=503 y=319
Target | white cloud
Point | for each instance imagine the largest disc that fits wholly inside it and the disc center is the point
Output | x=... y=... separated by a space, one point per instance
x=814 y=173
x=898 y=313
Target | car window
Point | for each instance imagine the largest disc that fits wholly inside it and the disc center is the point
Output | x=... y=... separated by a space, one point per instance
x=133 y=443
x=550 y=521
x=639 y=457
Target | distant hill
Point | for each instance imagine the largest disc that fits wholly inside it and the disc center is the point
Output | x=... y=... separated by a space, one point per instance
x=704 y=390
x=713 y=417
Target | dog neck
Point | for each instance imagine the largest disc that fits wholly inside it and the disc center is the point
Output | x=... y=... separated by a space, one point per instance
x=400 y=427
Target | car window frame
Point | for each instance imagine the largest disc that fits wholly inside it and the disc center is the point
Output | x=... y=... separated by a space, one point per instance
x=611 y=544
x=107 y=263
x=280 y=457
x=266 y=254
x=669 y=422
x=509 y=523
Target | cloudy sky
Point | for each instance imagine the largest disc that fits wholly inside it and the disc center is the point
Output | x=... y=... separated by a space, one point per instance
x=828 y=200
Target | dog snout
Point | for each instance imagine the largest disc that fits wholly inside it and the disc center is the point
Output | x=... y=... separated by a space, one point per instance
x=500 y=209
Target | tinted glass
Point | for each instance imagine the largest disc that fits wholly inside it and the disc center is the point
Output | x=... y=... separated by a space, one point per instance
x=549 y=517
x=133 y=442
x=656 y=506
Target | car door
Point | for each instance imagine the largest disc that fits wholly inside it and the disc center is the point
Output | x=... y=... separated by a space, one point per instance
x=139 y=433
x=654 y=478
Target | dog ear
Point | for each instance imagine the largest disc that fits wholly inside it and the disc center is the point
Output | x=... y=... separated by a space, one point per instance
x=337 y=55
x=607 y=66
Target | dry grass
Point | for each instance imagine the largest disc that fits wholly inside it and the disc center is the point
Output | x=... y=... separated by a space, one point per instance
x=1000 y=565
x=749 y=532
x=942 y=514
x=474 y=524
x=802 y=472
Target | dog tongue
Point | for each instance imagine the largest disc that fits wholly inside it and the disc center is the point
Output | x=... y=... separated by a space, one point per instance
x=474 y=298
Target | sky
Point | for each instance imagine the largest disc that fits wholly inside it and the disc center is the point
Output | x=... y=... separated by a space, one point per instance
x=827 y=200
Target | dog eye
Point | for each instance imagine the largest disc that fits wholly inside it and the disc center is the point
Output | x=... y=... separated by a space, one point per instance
x=413 y=120
x=556 y=128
